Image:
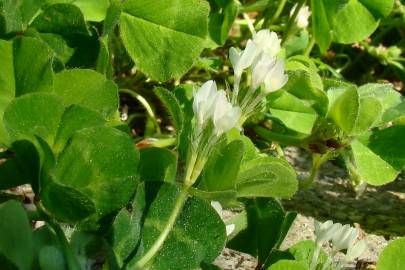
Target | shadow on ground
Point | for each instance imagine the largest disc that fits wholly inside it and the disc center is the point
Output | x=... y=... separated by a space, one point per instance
x=380 y=210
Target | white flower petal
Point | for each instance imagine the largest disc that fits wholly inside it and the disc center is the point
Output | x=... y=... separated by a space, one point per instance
x=229 y=229
x=218 y=207
x=204 y=101
x=267 y=42
x=355 y=251
x=275 y=78
x=234 y=56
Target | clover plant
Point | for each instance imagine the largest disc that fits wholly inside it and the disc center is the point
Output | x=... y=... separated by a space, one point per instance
x=101 y=201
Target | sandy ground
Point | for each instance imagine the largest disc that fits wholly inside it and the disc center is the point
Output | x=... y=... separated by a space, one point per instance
x=379 y=213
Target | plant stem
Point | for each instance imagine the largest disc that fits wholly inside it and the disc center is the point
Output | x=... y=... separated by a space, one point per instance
x=280 y=9
x=291 y=22
x=153 y=250
x=145 y=104
x=310 y=46
x=249 y=24
x=317 y=161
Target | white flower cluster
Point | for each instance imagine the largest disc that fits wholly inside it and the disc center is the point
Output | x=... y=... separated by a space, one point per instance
x=342 y=238
x=212 y=104
x=260 y=55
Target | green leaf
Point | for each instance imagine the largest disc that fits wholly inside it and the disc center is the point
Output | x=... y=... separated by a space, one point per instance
x=263 y=229
x=34 y=114
x=288 y=265
x=186 y=242
x=10 y=17
x=75 y=118
x=292 y=111
x=18 y=78
x=221 y=20
x=379 y=8
x=51 y=258
x=266 y=177
x=87 y=88
x=351 y=113
x=172 y=105
x=56 y=43
x=305 y=83
x=389 y=99
x=320 y=25
x=164 y=37
x=113 y=16
x=7 y=83
x=101 y=163
x=393 y=256
x=353 y=22
x=303 y=252
x=93 y=10
x=22 y=168
x=157 y=164
x=32 y=78
x=125 y=232
x=379 y=156
x=16 y=237
x=63 y=19
x=221 y=171
x=66 y=203
x=45 y=238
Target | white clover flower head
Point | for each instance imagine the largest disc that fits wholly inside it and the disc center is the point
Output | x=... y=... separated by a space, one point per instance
x=225 y=115
x=218 y=208
x=275 y=78
x=260 y=69
x=243 y=59
x=204 y=102
x=345 y=238
x=302 y=17
x=267 y=42
x=325 y=231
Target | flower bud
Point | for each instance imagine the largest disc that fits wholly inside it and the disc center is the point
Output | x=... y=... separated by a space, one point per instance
x=267 y=42
x=302 y=16
x=225 y=116
x=260 y=70
x=275 y=78
x=244 y=59
x=204 y=102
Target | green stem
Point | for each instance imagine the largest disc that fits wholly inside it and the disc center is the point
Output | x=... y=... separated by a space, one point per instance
x=145 y=104
x=317 y=161
x=273 y=19
x=249 y=24
x=310 y=46
x=150 y=254
x=290 y=26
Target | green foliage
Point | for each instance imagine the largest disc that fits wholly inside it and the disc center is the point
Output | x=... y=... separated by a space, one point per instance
x=16 y=247
x=164 y=49
x=186 y=242
x=393 y=255
x=157 y=164
x=266 y=177
x=288 y=265
x=261 y=229
x=348 y=21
